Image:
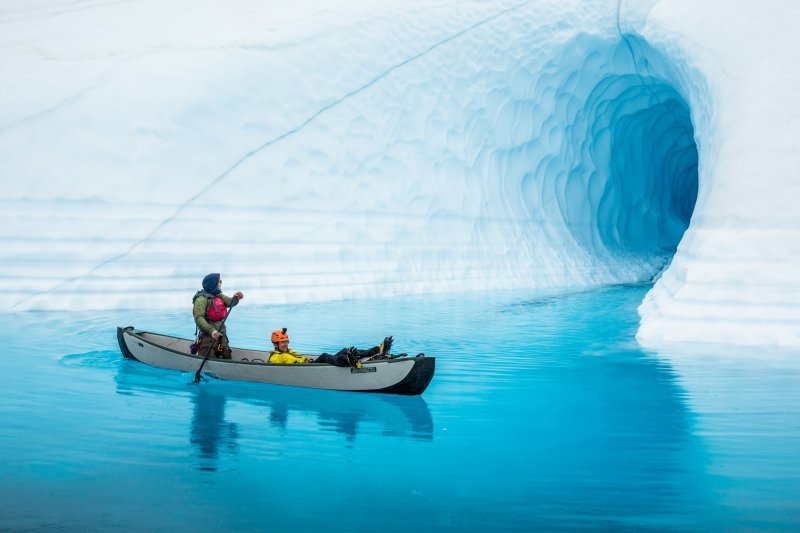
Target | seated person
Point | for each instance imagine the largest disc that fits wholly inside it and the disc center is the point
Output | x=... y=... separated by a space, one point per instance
x=345 y=357
x=282 y=353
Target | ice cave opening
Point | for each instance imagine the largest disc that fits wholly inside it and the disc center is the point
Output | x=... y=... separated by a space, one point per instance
x=628 y=179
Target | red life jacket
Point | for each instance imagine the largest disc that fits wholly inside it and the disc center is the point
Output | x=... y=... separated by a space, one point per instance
x=216 y=309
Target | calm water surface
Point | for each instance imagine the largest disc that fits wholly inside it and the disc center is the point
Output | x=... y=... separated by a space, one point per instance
x=544 y=414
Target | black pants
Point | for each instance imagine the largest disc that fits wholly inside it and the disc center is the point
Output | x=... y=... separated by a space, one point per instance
x=340 y=360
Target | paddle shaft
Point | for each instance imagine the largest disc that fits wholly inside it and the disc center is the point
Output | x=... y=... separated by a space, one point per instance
x=211 y=346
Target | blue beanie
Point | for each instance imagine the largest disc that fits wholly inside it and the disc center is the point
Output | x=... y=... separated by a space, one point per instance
x=210 y=283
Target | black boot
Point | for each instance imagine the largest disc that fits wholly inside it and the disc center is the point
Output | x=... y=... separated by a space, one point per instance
x=386 y=347
x=351 y=357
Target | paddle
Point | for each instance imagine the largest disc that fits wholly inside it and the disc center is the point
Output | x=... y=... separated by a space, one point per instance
x=210 y=347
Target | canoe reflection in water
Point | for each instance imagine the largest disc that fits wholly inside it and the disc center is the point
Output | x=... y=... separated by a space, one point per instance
x=346 y=412
x=213 y=401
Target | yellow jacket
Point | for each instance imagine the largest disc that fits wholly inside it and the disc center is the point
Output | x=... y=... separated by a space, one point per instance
x=287 y=358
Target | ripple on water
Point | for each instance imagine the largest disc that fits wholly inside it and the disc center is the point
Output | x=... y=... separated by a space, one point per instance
x=96 y=360
x=541 y=412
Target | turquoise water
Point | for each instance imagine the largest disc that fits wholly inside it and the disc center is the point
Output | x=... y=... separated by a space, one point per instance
x=544 y=414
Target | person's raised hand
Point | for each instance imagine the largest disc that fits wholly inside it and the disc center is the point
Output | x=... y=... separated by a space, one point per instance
x=238 y=295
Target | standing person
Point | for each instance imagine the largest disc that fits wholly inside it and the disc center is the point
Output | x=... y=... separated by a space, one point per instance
x=345 y=357
x=210 y=307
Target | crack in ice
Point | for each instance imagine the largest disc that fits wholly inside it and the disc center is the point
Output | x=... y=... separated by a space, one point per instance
x=187 y=203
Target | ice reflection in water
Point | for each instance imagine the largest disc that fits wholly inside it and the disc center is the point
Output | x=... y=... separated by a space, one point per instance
x=544 y=414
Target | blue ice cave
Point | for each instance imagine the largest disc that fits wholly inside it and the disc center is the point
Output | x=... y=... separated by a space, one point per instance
x=623 y=170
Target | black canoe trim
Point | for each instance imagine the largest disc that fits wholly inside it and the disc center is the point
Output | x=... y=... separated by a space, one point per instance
x=415 y=382
x=122 y=346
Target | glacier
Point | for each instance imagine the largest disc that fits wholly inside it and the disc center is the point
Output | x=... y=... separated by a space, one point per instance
x=326 y=150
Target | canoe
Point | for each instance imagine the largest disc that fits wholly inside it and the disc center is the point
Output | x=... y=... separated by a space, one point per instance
x=405 y=375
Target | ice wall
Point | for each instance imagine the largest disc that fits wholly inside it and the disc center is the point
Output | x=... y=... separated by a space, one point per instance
x=328 y=151
x=734 y=276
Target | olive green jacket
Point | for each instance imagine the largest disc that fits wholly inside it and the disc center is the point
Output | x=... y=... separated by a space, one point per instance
x=200 y=309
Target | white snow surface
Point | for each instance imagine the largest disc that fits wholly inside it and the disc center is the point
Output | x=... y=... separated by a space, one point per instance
x=316 y=150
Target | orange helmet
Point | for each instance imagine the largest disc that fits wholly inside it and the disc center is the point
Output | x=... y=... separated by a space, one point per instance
x=279 y=335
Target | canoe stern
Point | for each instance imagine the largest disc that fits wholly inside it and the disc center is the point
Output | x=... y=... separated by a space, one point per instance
x=417 y=379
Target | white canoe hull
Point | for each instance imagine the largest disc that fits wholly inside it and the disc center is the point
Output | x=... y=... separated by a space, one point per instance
x=408 y=375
